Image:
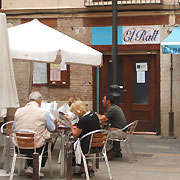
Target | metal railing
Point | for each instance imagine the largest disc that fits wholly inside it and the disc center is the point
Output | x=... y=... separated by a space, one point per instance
x=120 y=2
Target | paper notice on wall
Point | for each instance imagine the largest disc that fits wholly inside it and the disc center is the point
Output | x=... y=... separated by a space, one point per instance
x=141 y=67
x=55 y=72
x=39 y=73
x=141 y=77
x=63 y=66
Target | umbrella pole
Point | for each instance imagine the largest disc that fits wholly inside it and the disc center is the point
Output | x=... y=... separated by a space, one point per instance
x=171 y=113
x=30 y=77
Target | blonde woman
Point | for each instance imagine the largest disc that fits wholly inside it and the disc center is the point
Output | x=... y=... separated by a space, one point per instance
x=88 y=121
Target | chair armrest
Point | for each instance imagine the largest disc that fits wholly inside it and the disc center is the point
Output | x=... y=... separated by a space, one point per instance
x=111 y=128
x=8 y=130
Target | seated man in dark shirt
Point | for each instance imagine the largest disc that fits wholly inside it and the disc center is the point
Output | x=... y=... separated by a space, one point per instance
x=116 y=119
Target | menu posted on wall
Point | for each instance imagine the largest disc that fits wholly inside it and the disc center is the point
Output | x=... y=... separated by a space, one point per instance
x=39 y=73
x=55 y=72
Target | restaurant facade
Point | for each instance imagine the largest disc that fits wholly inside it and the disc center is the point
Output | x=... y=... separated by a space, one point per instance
x=143 y=71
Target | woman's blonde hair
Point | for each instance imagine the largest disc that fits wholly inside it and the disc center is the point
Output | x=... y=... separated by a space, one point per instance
x=72 y=99
x=78 y=108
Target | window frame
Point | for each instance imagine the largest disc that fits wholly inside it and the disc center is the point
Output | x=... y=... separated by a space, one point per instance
x=60 y=83
x=65 y=77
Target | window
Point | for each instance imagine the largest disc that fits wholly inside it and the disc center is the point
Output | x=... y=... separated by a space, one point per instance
x=56 y=75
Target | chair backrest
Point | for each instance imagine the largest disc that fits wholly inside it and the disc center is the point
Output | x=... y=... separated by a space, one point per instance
x=6 y=128
x=24 y=139
x=98 y=140
x=130 y=128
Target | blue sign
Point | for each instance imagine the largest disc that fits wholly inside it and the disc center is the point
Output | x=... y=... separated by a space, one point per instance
x=171 y=49
x=103 y=35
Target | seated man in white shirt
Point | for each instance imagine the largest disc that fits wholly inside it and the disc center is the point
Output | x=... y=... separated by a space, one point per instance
x=36 y=119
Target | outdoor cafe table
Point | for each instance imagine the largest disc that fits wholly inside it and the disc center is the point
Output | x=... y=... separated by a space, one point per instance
x=65 y=155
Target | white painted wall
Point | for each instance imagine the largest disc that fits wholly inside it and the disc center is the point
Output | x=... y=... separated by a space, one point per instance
x=53 y=4
x=170 y=2
x=41 y=4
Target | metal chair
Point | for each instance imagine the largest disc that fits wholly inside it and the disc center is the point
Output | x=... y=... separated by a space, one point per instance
x=23 y=139
x=6 y=130
x=124 y=138
x=98 y=140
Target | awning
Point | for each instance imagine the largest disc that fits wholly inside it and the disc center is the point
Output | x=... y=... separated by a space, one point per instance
x=171 y=45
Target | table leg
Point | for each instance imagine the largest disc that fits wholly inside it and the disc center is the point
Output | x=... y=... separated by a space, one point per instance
x=62 y=169
x=69 y=161
x=65 y=153
x=50 y=159
x=4 y=153
x=8 y=154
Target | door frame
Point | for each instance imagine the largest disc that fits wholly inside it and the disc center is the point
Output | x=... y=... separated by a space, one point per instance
x=129 y=107
x=133 y=50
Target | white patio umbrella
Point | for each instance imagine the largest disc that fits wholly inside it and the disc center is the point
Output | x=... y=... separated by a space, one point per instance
x=36 y=41
x=8 y=91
